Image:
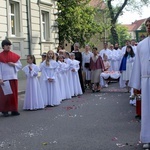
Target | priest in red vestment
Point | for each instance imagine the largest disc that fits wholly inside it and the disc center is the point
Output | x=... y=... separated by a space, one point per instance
x=9 y=66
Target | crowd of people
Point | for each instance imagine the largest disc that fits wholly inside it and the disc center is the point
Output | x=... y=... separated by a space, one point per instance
x=64 y=75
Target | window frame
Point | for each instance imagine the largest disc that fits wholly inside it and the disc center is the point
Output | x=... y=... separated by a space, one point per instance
x=45 y=25
x=47 y=11
x=18 y=32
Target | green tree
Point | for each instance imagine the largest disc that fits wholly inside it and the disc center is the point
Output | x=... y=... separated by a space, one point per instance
x=76 y=21
x=122 y=33
x=116 y=10
x=143 y=27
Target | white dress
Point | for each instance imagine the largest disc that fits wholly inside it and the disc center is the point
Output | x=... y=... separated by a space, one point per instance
x=140 y=79
x=33 y=95
x=75 y=76
x=63 y=80
x=52 y=91
x=129 y=65
x=86 y=59
x=69 y=75
x=43 y=85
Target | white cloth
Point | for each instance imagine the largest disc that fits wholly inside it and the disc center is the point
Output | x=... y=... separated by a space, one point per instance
x=8 y=72
x=52 y=91
x=75 y=76
x=108 y=74
x=86 y=59
x=33 y=95
x=140 y=79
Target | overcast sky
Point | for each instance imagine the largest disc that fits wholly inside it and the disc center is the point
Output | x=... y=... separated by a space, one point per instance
x=129 y=17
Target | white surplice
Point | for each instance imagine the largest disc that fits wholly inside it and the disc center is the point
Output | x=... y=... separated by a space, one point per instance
x=115 y=61
x=52 y=91
x=8 y=72
x=33 y=95
x=140 y=79
x=75 y=76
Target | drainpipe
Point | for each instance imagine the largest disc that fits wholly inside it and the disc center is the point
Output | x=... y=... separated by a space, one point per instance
x=28 y=7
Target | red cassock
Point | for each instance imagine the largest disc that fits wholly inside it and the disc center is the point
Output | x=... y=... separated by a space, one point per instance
x=9 y=102
x=138 y=103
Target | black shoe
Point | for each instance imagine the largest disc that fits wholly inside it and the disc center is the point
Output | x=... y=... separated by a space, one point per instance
x=15 y=113
x=138 y=117
x=5 y=114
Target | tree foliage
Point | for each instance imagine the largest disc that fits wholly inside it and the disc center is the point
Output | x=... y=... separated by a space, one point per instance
x=76 y=21
x=116 y=9
x=143 y=27
x=122 y=33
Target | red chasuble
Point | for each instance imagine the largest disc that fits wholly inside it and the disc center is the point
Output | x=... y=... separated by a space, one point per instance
x=9 y=102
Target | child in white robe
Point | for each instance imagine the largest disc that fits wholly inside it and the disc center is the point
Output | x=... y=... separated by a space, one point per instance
x=41 y=81
x=75 y=76
x=68 y=61
x=33 y=95
x=126 y=67
x=49 y=73
x=63 y=79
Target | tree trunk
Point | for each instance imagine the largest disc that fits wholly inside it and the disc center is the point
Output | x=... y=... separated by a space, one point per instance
x=114 y=33
x=114 y=16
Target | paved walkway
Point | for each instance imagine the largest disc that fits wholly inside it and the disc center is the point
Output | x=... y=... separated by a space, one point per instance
x=117 y=89
x=21 y=86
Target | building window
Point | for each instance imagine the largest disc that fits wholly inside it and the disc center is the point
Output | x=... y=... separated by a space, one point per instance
x=45 y=25
x=14 y=18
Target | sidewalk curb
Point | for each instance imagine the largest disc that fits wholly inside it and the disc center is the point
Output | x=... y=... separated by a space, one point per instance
x=21 y=92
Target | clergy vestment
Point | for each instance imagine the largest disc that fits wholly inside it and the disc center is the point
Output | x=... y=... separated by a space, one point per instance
x=9 y=73
x=115 y=62
x=140 y=79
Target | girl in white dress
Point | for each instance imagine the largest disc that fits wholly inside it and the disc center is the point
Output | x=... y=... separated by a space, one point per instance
x=126 y=66
x=68 y=61
x=75 y=76
x=63 y=79
x=33 y=96
x=49 y=73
